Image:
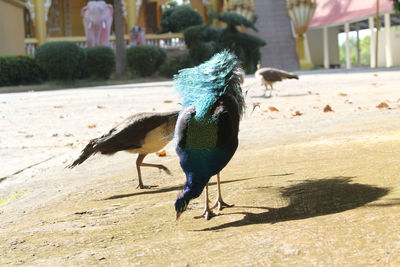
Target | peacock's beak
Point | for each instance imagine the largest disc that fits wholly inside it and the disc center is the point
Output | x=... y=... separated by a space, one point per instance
x=178 y=214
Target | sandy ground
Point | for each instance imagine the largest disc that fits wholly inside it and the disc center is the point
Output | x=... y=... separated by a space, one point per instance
x=320 y=188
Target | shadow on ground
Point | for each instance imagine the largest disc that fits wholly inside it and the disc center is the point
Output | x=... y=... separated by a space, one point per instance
x=312 y=198
x=171 y=188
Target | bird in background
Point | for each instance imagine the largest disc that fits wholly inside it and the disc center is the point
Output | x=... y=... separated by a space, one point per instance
x=142 y=134
x=206 y=132
x=268 y=76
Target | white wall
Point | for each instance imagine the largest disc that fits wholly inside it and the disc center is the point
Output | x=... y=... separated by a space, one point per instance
x=316 y=45
x=395 y=39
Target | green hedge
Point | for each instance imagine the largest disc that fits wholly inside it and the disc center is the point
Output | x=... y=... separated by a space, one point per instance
x=81 y=72
x=60 y=60
x=100 y=61
x=174 y=63
x=17 y=70
x=145 y=60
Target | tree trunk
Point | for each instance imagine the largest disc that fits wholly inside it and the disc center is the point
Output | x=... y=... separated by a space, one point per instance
x=119 y=40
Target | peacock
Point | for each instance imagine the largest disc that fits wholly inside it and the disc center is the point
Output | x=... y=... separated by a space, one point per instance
x=206 y=132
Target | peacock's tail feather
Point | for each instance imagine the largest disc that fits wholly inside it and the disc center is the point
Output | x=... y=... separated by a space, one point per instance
x=202 y=85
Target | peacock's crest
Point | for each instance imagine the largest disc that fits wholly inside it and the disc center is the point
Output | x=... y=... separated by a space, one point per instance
x=202 y=85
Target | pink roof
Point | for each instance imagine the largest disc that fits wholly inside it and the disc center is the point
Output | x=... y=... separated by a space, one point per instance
x=340 y=11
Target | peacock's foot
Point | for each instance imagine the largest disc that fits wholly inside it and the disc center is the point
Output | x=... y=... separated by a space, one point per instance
x=221 y=205
x=207 y=214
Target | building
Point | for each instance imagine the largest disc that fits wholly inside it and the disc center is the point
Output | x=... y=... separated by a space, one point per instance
x=30 y=23
x=12 y=27
x=342 y=16
x=274 y=27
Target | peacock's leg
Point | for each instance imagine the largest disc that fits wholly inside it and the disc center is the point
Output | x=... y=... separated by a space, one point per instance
x=139 y=162
x=220 y=203
x=208 y=213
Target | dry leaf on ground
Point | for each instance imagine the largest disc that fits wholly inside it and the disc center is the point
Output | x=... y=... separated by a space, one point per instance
x=161 y=153
x=328 y=108
x=342 y=94
x=297 y=113
x=383 y=105
x=273 y=109
x=92 y=126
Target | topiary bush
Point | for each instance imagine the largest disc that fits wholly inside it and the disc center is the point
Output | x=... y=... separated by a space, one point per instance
x=177 y=19
x=174 y=63
x=100 y=61
x=18 y=70
x=245 y=46
x=145 y=60
x=203 y=42
x=60 y=60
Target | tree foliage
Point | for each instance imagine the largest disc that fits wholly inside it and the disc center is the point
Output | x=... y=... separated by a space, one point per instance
x=364 y=51
x=396 y=6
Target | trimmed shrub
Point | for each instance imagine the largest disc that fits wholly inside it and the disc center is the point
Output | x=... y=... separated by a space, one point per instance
x=203 y=42
x=60 y=60
x=177 y=19
x=174 y=63
x=145 y=59
x=100 y=61
x=81 y=72
x=17 y=70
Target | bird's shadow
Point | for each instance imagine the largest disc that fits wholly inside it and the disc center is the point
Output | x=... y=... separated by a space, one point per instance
x=287 y=95
x=312 y=198
x=169 y=189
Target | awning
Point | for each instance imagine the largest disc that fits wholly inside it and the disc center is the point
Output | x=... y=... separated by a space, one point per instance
x=335 y=12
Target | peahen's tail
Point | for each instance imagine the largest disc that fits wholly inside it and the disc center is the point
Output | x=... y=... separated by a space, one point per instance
x=89 y=150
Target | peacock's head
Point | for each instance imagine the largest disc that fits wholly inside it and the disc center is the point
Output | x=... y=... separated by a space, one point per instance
x=180 y=206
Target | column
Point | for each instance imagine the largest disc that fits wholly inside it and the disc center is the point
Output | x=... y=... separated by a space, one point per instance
x=326 y=48
x=40 y=22
x=348 y=59
x=388 y=43
x=358 y=43
x=131 y=10
x=372 y=43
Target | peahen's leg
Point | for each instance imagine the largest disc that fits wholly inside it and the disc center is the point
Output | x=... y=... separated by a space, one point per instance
x=270 y=92
x=220 y=203
x=159 y=166
x=139 y=163
x=266 y=89
x=208 y=213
